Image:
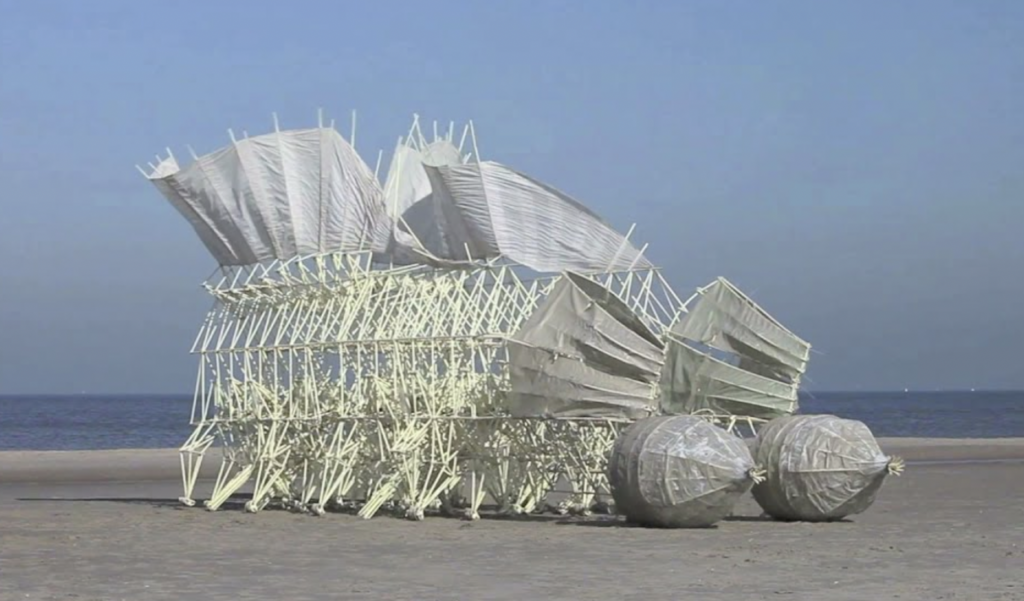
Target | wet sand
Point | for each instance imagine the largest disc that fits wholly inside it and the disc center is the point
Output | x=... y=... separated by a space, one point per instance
x=106 y=525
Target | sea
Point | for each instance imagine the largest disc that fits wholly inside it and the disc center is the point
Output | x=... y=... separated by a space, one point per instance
x=88 y=422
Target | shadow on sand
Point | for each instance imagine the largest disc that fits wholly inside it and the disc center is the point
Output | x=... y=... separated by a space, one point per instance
x=234 y=502
x=237 y=503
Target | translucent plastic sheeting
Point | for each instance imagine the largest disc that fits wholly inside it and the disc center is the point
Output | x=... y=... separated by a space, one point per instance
x=726 y=319
x=583 y=352
x=482 y=211
x=277 y=196
x=407 y=181
x=678 y=471
x=693 y=381
x=303 y=192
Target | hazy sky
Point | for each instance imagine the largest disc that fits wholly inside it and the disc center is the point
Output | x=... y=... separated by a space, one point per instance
x=857 y=167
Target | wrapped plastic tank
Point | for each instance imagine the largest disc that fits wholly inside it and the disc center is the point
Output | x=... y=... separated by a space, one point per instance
x=678 y=472
x=819 y=468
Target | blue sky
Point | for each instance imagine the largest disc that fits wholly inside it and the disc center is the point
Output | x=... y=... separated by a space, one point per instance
x=858 y=167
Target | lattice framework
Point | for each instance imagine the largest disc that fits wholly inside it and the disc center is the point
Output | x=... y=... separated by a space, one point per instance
x=334 y=380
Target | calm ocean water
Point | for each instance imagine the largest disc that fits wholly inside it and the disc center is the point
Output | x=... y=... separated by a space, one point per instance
x=79 y=422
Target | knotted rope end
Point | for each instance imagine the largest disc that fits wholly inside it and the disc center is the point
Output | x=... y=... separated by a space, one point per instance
x=757 y=474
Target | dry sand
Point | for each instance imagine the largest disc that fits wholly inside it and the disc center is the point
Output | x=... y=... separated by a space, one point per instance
x=105 y=525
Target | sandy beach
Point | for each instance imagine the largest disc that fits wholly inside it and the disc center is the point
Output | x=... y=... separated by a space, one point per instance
x=106 y=525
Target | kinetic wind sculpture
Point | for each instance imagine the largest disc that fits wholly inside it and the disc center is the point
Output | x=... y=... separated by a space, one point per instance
x=460 y=329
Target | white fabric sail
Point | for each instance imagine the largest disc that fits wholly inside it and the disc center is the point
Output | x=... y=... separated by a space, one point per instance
x=727 y=319
x=277 y=196
x=407 y=181
x=583 y=352
x=693 y=381
x=422 y=225
x=482 y=211
x=771 y=359
x=511 y=214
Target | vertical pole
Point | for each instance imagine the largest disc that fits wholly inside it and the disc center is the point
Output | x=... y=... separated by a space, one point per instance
x=352 y=141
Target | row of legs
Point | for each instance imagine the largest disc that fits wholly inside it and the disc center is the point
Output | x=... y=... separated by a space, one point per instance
x=412 y=466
